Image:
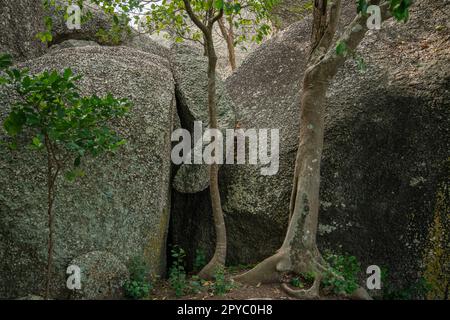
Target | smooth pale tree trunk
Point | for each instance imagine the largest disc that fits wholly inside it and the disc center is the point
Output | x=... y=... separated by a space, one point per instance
x=53 y=169
x=218 y=260
x=299 y=252
x=228 y=35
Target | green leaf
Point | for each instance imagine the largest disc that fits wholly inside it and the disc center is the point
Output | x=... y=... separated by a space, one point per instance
x=5 y=61
x=67 y=73
x=361 y=64
x=362 y=6
x=37 y=143
x=218 y=4
x=77 y=162
x=14 y=122
x=341 y=49
x=400 y=9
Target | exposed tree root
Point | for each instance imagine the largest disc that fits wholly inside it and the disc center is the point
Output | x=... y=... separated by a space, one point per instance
x=271 y=269
x=218 y=261
x=311 y=293
x=268 y=271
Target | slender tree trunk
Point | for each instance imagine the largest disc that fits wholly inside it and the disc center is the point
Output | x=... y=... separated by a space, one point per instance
x=218 y=260
x=299 y=252
x=52 y=174
x=228 y=35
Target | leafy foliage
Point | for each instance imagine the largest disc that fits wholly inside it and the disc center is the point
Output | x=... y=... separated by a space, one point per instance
x=342 y=277
x=177 y=273
x=249 y=18
x=200 y=260
x=139 y=284
x=118 y=11
x=400 y=9
x=60 y=122
x=221 y=285
x=296 y=282
x=362 y=6
x=196 y=284
x=59 y=118
x=415 y=290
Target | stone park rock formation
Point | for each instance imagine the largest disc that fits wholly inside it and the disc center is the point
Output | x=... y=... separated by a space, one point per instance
x=122 y=205
x=386 y=148
x=385 y=160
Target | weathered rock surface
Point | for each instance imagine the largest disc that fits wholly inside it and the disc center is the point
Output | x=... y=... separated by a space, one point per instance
x=387 y=144
x=74 y=44
x=385 y=147
x=190 y=74
x=121 y=206
x=94 y=20
x=26 y=16
x=102 y=276
x=145 y=43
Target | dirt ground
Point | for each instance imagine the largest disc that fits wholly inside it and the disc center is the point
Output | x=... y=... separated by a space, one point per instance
x=163 y=291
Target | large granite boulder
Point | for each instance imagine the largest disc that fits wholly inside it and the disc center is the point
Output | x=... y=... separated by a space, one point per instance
x=385 y=161
x=95 y=25
x=190 y=73
x=122 y=204
x=102 y=276
x=20 y=22
x=386 y=143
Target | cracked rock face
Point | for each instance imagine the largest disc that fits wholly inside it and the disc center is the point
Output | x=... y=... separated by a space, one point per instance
x=26 y=16
x=190 y=73
x=102 y=276
x=121 y=205
x=385 y=153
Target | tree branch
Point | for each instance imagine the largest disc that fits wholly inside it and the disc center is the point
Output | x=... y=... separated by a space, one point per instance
x=217 y=17
x=325 y=41
x=194 y=18
x=352 y=37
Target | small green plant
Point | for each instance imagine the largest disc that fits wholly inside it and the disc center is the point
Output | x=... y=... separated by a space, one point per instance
x=296 y=282
x=342 y=277
x=177 y=273
x=57 y=121
x=196 y=284
x=416 y=290
x=200 y=260
x=139 y=284
x=221 y=285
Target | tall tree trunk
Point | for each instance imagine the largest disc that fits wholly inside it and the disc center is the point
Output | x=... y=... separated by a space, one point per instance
x=52 y=174
x=299 y=252
x=228 y=35
x=218 y=260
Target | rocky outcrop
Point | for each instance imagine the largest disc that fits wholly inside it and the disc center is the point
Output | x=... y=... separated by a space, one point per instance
x=145 y=43
x=74 y=44
x=26 y=16
x=102 y=276
x=190 y=73
x=94 y=27
x=122 y=204
x=386 y=142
